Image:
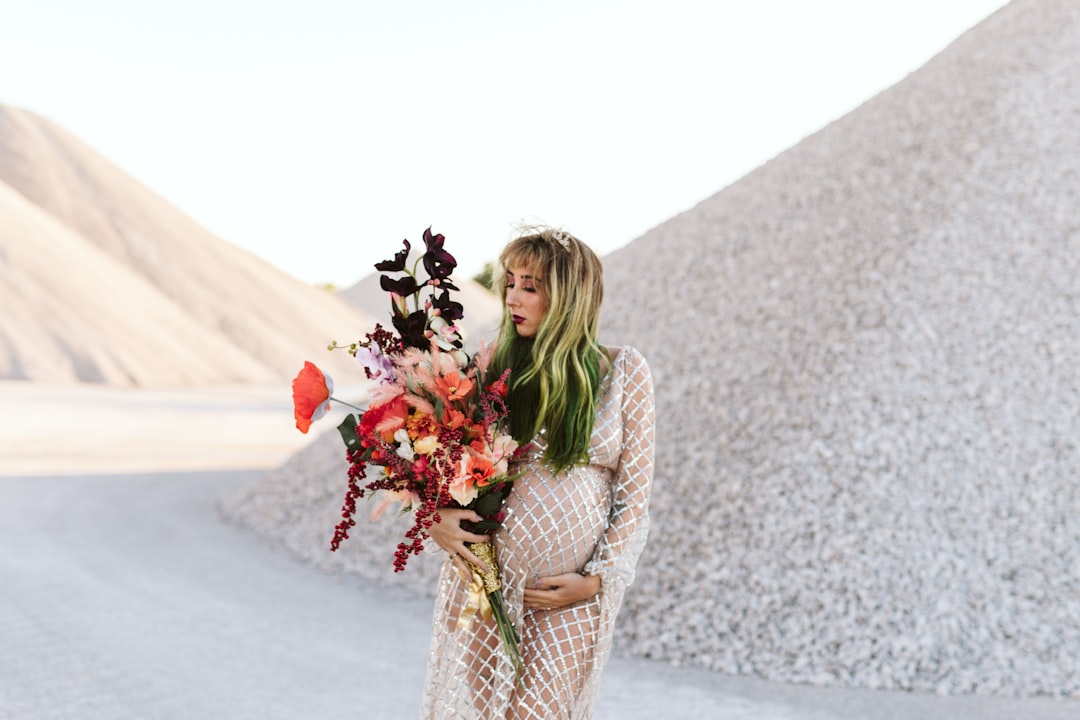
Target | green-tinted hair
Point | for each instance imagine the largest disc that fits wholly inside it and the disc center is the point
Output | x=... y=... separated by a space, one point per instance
x=554 y=376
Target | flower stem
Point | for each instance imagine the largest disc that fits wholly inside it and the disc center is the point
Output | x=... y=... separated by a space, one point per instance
x=415 y=268
x=507 y=632
x=346 y=404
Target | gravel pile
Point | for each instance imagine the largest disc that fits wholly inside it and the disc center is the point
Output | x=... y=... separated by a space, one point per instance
x=865 y=355
x=297 y=506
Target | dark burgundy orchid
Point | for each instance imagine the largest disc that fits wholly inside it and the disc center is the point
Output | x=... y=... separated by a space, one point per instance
x=450 y=310
x=398 y=263
x=412 y=329
x=433 y=241
x=402 y=286
x=438 y=263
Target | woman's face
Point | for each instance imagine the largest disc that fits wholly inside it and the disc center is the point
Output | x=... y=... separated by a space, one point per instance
x=525 y=300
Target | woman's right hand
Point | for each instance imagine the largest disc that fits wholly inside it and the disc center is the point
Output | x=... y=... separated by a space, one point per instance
x=451 y=537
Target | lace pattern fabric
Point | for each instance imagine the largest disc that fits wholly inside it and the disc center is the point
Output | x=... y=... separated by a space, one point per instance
x=591 y=519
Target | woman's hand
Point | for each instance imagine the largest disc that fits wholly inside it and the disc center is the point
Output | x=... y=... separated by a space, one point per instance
x=559 y=591
x=451 y=537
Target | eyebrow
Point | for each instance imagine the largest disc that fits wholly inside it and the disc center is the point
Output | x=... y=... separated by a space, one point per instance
x=524 y=277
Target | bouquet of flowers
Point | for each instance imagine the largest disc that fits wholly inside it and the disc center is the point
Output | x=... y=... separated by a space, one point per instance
x=432 y=425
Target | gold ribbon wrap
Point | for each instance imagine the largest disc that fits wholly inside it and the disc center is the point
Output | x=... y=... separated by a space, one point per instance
x=480 y=585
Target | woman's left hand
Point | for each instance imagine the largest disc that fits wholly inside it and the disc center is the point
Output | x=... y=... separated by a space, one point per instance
x=559 y=591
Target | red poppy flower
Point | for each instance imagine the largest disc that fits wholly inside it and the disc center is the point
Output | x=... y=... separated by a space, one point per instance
x=311 y=390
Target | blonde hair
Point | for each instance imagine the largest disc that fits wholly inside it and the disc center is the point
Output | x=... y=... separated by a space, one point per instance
x=554 y=376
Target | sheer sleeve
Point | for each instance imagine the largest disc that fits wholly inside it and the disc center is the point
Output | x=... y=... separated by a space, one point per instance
x=617 y=552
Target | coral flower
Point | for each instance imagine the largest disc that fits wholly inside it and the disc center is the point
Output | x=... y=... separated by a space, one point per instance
x=452 y=418
x=385 y=420
x=453 y=386
x=478 y=469
x=311 y=390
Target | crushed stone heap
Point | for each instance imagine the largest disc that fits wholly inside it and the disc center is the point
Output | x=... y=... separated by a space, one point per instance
x=868 y=396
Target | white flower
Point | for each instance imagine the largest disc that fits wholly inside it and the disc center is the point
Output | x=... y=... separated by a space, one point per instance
x=445 y=333
x=405 y=448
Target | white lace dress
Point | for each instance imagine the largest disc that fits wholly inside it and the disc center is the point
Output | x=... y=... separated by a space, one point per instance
x=592 y=519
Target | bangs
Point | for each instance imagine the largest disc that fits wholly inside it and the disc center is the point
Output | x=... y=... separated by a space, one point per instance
x=527 y=252
x=524 y=252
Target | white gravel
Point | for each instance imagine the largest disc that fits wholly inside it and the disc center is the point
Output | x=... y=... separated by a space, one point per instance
x=865 y=356
x=865 y=360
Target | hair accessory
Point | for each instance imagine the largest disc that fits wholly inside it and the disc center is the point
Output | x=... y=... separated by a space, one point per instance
x=562 y=238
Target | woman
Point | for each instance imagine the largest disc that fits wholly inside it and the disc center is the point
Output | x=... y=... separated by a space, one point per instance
x=577 y=518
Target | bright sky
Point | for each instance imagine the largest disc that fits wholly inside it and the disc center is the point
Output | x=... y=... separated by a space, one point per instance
x=320 y=133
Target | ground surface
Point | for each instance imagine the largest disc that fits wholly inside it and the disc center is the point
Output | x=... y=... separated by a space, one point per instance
x=127 y=596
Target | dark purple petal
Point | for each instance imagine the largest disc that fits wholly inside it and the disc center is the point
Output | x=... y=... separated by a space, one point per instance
x=397 y=264
x=450 y=310
x=439 y=264
x=404 y=286
x=433 y=242
x=411 y=328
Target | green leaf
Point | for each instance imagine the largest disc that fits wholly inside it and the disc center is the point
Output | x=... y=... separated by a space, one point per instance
x=487 y=504
x=347 y=428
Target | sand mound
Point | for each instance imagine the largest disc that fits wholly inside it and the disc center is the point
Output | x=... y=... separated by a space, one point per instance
x=60 y=323
x=864 y=355
x=109 y=283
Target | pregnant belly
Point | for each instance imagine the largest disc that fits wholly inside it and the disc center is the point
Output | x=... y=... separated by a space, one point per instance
x=553 y=523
